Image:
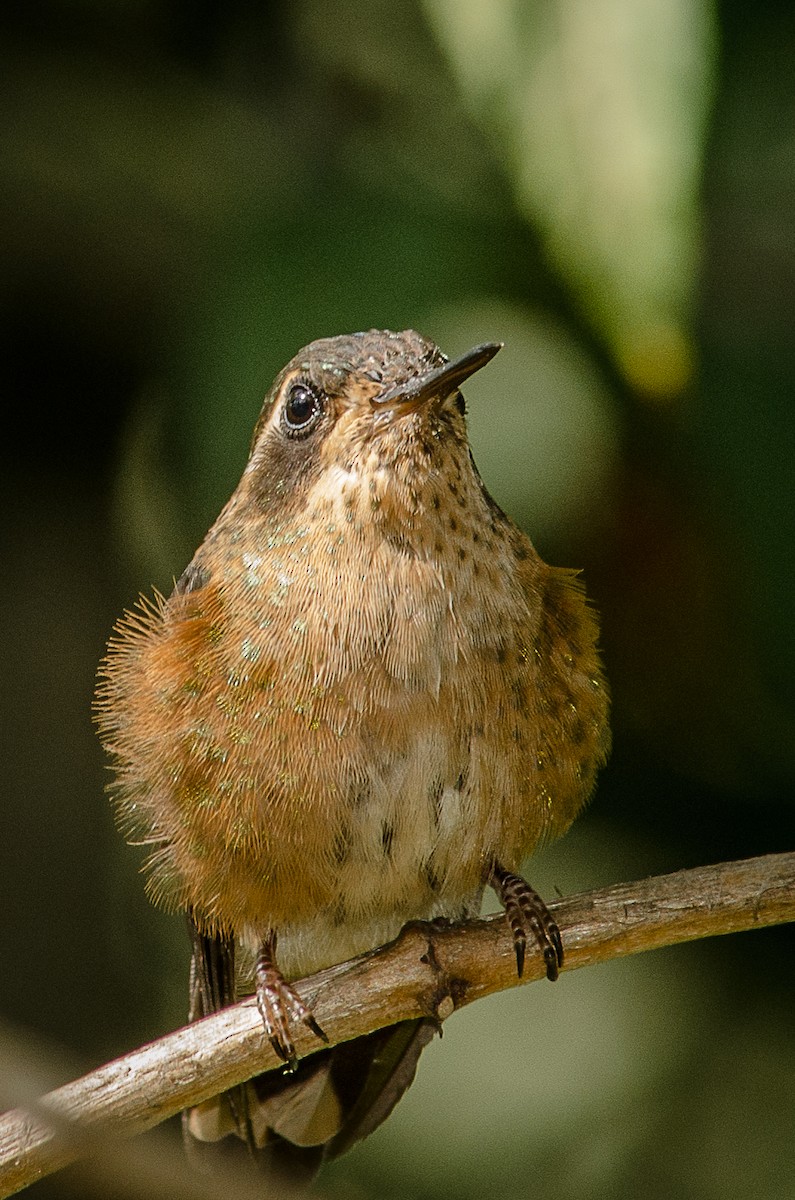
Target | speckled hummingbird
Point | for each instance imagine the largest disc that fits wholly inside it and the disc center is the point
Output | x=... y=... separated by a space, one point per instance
x=365 y=699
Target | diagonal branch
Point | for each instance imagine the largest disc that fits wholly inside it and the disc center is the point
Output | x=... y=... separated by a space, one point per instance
x=411 y=977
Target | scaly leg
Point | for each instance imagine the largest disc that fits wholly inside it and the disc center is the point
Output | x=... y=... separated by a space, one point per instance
x=526 y=913
x=279 y=1004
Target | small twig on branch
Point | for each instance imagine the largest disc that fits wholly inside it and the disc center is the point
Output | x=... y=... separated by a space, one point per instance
x=396 y=983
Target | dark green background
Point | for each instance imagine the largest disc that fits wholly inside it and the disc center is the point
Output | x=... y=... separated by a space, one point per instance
x=189 y=192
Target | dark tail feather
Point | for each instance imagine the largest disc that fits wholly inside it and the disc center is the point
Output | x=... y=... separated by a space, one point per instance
x=338 y=1096
x=376 y=1069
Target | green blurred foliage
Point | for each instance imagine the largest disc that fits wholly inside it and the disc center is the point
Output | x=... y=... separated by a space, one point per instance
x=190 y=192
x=599 y=109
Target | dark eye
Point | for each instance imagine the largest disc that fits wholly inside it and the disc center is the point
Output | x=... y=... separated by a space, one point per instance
x=302 y=410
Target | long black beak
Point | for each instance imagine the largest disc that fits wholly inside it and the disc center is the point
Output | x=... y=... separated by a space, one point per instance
x=438 y=383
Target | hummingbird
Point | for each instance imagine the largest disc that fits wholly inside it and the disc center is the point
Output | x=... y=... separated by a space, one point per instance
x=366 y=699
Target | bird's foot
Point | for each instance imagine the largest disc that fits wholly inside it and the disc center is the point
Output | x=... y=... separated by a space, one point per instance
x=280 y=1005
x=527 y=913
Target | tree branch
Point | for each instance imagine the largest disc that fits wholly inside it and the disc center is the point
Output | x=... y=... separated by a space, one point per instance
x=406 y=979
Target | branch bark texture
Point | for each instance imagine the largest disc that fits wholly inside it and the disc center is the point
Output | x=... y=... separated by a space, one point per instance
x=424 y=971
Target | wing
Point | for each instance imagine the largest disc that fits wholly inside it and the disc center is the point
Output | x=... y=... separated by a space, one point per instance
x=212 y=987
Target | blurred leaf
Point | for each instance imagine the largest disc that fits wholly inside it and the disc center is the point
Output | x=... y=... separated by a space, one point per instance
x=600 y=107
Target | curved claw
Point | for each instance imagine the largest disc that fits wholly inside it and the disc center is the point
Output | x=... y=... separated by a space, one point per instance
x=527 y=913
x=280 y=1005
x=519 y=945
x=551 y=960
